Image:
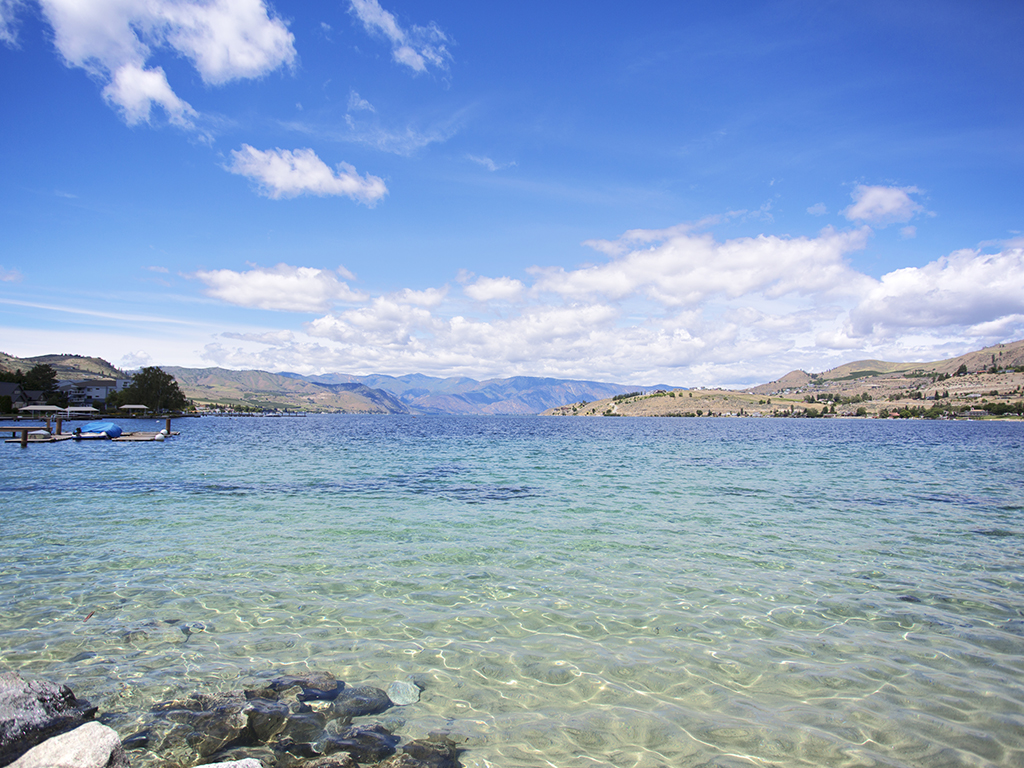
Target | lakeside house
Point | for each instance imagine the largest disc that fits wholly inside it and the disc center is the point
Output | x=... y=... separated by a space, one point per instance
x=19 y=397
x=87 y=391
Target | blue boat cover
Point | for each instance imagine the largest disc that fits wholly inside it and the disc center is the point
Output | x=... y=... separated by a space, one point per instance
x=110 y=428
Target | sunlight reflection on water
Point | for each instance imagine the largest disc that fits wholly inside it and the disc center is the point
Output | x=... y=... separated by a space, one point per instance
x=620 y=592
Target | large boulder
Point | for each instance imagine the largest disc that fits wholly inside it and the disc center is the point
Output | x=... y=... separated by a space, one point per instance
x=32 y=711
x=89 y=746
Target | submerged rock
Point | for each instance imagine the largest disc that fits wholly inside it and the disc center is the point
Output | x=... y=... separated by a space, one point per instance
x=435 y=752
x=314 y=685
x=402 y=692
x=359 y=701
x=245 y=762
x=340 y=760
x=365 y=743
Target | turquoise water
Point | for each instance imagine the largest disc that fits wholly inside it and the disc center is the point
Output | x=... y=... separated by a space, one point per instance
x=569 y=592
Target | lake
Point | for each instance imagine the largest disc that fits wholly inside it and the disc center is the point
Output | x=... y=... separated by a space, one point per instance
x=567 y=592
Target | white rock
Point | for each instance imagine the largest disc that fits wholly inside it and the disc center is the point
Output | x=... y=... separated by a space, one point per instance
x=88 y=746
x=402 y=692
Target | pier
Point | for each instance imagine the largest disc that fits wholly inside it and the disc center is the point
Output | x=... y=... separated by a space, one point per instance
x=24 y=434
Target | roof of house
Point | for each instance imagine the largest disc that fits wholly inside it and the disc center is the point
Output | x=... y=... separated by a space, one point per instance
x=10 y=388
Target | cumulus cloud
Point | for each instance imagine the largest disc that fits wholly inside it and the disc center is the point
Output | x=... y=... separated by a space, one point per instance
x=223 y=39
x=495 y=289
x=818 y=209
x=415 y=47
x=651 y=313
x=883 y=205
x=137 y=359
x=282 y=173
x=284 y=287
x=681 y=267
x=964 y=289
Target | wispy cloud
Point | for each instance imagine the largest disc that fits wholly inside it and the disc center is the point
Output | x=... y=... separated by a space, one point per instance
x=415 y=47
x=488 y=163
x=9 y=275
x=118 y=316
x=357 y=103
x=9 y=21
x=223 y=39
x=283 y=173
x=371 y=132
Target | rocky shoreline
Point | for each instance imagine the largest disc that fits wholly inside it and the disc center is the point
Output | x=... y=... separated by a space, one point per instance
x=285 y=721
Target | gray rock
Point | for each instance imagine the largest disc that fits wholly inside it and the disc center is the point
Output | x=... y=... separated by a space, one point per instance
x=434 y=752
x=365 y=743
x=267 y=718
x=315 y=685
x=89 y=746
x=402 y=692
x=340 y=760
x=32 y=711
x=361 y=700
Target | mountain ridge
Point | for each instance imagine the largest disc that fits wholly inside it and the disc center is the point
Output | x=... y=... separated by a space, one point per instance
x=417 y=393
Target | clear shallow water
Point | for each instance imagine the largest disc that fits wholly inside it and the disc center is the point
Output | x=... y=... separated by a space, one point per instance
x=570 y=592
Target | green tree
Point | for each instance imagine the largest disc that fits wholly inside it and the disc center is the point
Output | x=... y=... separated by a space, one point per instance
x=40 y=377
x=155 y=389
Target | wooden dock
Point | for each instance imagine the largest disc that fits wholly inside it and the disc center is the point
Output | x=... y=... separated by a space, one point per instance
x=24 y=436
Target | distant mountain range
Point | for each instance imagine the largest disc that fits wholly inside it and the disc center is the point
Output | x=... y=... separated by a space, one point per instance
x=419 y=394
x=378 y=393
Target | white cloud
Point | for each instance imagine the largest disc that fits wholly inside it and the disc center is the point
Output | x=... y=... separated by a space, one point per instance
x=273 y=338
x=684 y=268
x=495 y=289
x=9 y=21
x=908 y=233
x=137 y=359
x=135 y=90
x=429 y=297
x=962 y=290
x=284 y=287
x=283 y=173
x=489 y=164
x=416 y=47
x=486 y=162
x=818 y=209
x=883 y=205
x=801 y=306
x=357 y=103
x=113 y=40
x=9 y=275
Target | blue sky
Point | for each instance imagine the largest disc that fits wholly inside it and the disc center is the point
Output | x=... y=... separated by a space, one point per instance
x=687 y=193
